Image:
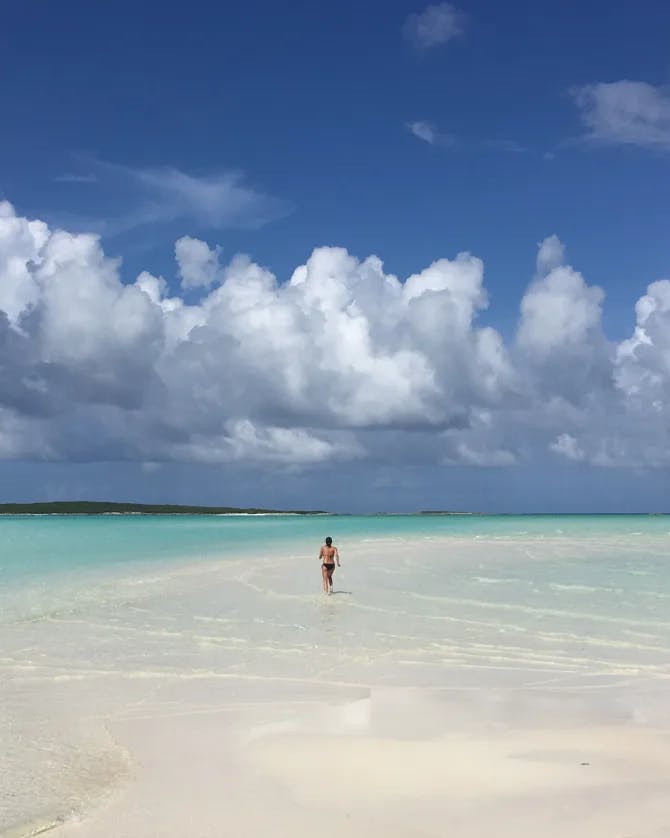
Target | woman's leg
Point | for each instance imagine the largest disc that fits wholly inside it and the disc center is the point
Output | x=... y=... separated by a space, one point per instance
x=324 y=579
x=330 y=577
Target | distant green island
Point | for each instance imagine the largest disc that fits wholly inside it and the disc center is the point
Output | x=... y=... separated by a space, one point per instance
x=448 y=512
x=86 y=507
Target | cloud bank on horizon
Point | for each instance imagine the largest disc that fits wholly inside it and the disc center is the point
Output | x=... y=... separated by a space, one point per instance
x=301 y=372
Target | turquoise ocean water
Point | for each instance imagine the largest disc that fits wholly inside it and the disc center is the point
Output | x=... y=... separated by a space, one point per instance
x=48 y=553
x=36 y=547
x=99 y=613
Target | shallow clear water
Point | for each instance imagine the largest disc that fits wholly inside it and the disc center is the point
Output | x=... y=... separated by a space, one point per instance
x=101 y=617
x=37 y=546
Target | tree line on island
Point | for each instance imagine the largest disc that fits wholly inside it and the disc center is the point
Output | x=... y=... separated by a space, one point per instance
x=104 y=507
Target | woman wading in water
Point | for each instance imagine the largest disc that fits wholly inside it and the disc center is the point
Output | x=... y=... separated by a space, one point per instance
x=328 y=555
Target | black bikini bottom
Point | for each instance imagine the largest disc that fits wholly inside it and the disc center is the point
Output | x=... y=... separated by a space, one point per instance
x=328 y=566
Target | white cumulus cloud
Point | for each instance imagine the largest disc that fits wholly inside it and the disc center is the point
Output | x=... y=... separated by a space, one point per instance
x=550 y=255
x=198 y=265
x=643 y=361
x=625 y=113
x=560 y=311
x=340 y=361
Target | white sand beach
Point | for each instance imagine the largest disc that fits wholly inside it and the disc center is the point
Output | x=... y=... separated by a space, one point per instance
x=400 y=765
x=235 y=699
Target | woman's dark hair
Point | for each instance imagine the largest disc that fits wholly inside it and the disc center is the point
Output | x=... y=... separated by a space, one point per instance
x=329 y=541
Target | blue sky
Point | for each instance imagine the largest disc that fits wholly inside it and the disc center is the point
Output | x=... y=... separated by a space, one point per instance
x=370 y=126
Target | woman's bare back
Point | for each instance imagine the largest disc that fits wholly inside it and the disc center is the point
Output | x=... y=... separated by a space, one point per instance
x=328 y=554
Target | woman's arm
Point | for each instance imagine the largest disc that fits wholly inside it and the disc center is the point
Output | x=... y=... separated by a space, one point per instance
x=337 y=556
